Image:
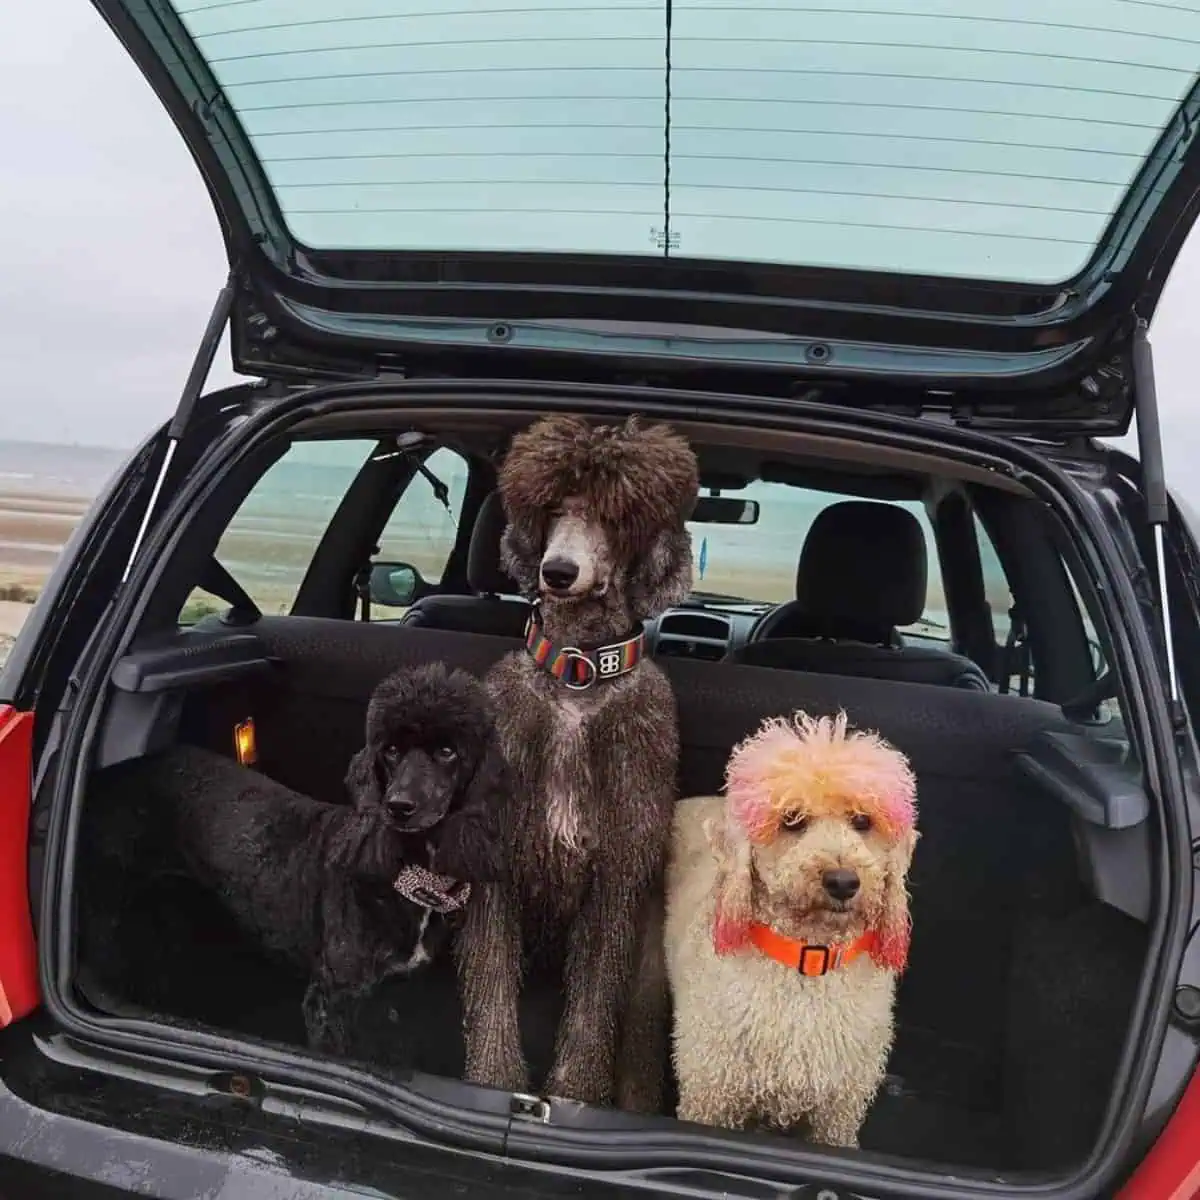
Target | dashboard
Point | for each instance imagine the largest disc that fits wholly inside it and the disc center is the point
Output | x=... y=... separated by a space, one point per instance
x=710 y=634
x=707 y=634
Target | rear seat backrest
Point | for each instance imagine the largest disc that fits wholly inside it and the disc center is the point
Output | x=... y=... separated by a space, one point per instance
x=985 y=835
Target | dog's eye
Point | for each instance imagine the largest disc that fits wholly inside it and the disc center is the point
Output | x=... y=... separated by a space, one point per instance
x=795 y=821
x=391 y=754
x=445 y=754
x=860 y=822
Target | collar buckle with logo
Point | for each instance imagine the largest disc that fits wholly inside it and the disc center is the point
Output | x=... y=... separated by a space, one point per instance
x=579 y=669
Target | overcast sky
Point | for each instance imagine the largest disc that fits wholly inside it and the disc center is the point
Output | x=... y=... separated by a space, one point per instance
x=112 y=258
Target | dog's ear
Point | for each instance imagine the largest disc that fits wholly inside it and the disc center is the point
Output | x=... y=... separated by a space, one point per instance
x=470 y=842
x=662 y=576
x=894 y=931
x=521 y=553
x=734 y=900
x=362 y=781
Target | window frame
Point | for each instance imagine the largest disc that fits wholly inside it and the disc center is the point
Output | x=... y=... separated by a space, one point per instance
x=433 y=587
x=1029 y=546
x=354 y=530
x=327 y=585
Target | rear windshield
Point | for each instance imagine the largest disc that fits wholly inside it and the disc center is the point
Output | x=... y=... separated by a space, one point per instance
x=991 y=140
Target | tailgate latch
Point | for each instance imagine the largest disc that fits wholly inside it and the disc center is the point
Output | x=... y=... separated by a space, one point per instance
x=529 y=1108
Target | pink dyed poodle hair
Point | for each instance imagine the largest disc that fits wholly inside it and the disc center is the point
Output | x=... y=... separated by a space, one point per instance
x=818 y=764
x=821 y=767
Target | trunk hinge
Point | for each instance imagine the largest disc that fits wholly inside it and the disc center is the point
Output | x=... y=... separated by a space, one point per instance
x=1154 y=487
x=201 y=365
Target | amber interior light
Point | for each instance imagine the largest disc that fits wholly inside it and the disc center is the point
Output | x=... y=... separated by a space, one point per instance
x=244 y=744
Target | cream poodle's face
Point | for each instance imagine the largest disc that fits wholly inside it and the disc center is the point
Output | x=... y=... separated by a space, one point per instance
x=817 y=837
x=822 y=878
x=577 y=560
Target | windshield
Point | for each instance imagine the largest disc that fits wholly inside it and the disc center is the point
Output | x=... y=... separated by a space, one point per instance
x=756 y=564
x=888 y=135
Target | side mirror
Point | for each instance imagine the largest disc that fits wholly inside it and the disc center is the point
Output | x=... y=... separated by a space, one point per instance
x=395 y=585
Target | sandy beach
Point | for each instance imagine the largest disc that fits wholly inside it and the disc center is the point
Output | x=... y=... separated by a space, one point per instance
x=35 y=524
x=34 y=527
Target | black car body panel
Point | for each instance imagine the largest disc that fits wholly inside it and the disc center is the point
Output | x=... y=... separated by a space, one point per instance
x=72 y=1126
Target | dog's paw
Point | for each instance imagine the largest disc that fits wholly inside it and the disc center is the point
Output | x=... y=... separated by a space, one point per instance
x=507 y=1076
x=584 y=1087
x=715 y=1109
x=837 y=1123
x=643 y=1098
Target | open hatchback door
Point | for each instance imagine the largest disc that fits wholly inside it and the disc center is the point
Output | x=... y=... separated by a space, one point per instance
x=971 y=209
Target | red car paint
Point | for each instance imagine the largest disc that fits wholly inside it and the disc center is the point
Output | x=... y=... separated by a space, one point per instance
x=18 y=952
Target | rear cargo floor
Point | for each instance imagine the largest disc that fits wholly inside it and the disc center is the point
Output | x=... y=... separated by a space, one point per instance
x=175 y=954
x=1005 y=1048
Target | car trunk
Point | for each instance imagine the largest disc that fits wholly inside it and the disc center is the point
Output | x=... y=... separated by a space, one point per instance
x=1011 y=1016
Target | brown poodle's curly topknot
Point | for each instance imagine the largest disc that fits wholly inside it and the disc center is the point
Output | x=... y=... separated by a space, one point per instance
x=637 y=480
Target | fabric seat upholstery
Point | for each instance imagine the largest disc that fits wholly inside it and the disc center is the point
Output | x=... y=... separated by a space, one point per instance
x=1008 y=1017
x=863 y=572
x=495 y=608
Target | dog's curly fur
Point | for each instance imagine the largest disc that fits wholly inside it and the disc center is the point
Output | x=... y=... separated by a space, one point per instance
x=754 y=1040
x=313 y=882
x=639 y=483
x=594 y=771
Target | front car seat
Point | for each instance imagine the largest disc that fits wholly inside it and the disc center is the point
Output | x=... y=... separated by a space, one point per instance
x=495 y=608
x=863 y=572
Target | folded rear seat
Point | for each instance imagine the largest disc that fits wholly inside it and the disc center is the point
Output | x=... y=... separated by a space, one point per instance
x=992 y=847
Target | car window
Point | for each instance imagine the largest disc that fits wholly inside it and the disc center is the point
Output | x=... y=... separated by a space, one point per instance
x=937 y=139
x=995 y=584
x=423 y=527
x=272 y=538
x=756 y=563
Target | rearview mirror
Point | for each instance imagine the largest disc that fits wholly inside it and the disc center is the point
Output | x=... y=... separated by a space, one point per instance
x=395 y=585
x=724 y=510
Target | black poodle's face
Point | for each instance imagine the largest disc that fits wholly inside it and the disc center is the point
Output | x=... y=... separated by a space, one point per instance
x=432 y=765
x=417 y=783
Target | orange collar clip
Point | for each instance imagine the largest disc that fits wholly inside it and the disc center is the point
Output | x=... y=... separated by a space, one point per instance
x=809 y=958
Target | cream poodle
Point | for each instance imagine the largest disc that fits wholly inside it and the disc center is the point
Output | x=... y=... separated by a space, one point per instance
x=787 y=926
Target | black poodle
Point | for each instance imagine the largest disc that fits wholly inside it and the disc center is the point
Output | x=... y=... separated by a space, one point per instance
x=355 y=893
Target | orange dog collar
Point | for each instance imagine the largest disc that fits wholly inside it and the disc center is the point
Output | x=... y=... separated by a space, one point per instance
x=809 y=958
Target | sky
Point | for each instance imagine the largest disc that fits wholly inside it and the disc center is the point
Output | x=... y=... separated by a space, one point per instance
x=112 y=256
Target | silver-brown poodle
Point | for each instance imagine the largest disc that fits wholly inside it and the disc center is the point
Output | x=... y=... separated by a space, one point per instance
x=596 y=535
x=787 y=925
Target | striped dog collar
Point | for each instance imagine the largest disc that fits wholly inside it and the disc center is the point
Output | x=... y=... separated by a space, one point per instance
x=579 y=669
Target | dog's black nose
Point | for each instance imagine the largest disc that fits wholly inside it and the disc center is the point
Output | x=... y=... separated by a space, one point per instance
x=560 y=573
x=841 y=884
x=401 y=806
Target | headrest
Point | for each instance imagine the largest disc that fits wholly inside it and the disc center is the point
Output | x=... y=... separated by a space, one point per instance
x=863 y=563
x=484 y=574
